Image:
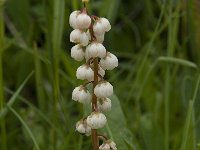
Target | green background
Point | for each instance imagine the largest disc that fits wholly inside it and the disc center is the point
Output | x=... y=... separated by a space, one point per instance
x=156 y=102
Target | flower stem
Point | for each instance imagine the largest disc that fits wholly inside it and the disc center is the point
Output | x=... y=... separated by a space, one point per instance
x=95 y=141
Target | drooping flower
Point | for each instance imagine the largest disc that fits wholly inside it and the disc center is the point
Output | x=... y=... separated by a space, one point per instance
x=83 y=21
x=109 y=62
x=96 y=120
x=103 y=89
x=79 y=37
x=83 y=128
x=77 y=52
x=101 y=26
x=96 y=49
x=104 y=104
x=81 y=94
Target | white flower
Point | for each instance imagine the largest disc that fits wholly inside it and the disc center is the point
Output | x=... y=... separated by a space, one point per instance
x=84 y=72
x=73 y=18
x=83 y=21
x=104 y=146
x=95 y=49
x=112 y=145
x=99 y=38
x=81 y=94
x=109 y=62
x=77 y=53
x=108 y=145
x=101 y=71
x=101 y=26
x=104 y=104
x=79 y=37
x=82 y=127
x=96 y=120
x=103 y=89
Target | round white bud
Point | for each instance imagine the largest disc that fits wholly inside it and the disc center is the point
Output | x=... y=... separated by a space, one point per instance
x=108 y=145
x=96 y=120
x=77 y=53
x=83 y=21
x=109 y=62
x=84 y=72
x=81 y=94
x=103 y=89
x=112 y=145
x=83 y=128
x=104 y=146
x=79 y=37
x=106 y=24
x=73 y=18
x=96 y=49
x=99 y=38
x=101 y=26
x=104 y=104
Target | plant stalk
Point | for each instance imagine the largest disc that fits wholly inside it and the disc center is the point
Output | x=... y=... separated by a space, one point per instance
x=95 y=141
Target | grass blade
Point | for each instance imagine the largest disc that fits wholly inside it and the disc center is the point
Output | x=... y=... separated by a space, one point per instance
x=4 y=111
x=25 y=126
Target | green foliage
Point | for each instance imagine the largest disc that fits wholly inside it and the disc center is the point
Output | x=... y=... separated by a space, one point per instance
x=156 y=106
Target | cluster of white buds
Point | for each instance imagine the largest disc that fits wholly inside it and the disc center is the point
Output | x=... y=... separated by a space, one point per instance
x=88 y=35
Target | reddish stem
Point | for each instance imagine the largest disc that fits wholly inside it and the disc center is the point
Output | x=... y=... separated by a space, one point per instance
x=95 y=140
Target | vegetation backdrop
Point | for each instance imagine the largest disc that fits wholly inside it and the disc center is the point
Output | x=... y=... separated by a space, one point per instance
x=156 y=102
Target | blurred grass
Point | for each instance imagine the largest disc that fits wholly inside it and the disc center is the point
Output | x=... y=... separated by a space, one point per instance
x=157 y=100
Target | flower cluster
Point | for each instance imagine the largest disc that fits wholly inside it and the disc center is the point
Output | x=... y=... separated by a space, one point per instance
x=88 y=35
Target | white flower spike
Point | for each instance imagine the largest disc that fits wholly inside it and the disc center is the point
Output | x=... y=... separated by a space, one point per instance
x=88 y=35
x=96 y=49
x=109 y=62
x=83 y=128
x=96 y=120
x=103 y=89
x=77 y=53
x=83 y=21
x=79 y=37
x=81 y=94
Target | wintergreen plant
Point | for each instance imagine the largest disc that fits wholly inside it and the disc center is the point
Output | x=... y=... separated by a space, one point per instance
x=88 y=34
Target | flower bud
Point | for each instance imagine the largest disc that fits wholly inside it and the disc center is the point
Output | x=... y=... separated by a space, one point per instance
x=77 y=53
x=83 y=128
x=85 y=1
x=99 y=38
x=109 y=62
x=73 y=18
x=81 y=94
x=101 y=26
x=104 y=104
x=79 y=37
x=83 y=21
x=96 y=120
x=103 y=89
x=84 y=72
x=108 y=145
x=96 y=50
x=104 y=146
